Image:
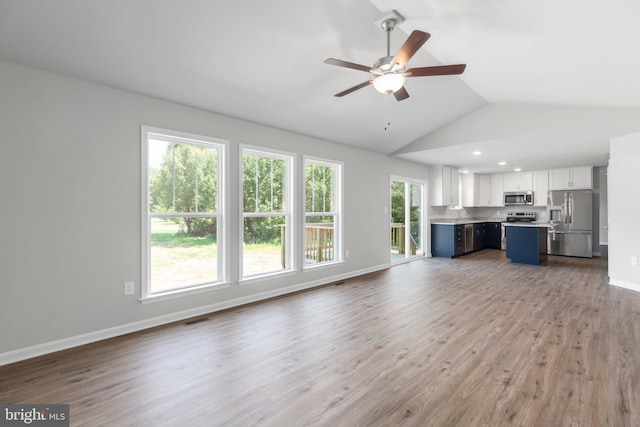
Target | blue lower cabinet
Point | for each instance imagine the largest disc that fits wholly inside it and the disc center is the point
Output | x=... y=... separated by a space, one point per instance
x=492 y=235
x=479 y=236
x=447 y=240
x=527 y=245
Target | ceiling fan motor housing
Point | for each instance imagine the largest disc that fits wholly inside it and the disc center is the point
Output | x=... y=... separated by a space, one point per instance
x=382 y=65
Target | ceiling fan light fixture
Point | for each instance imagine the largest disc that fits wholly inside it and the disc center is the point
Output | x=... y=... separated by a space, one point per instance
x=389 y=83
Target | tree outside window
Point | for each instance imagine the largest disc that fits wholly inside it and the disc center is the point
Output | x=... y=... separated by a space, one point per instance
x=183 y=187
x=266 y=196
x=322 y=214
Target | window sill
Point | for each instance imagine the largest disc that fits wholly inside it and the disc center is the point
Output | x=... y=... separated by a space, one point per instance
x=267 y=276
x=165 y=296
x=322 y=265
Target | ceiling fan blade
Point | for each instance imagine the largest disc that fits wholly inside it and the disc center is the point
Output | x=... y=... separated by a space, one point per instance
x=341 y=63
x=440 y=70
x=410 y=47
x=353 y=89
x=401 y=94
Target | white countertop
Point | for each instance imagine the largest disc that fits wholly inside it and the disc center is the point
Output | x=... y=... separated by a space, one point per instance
x=527 y=224
x=462 y=221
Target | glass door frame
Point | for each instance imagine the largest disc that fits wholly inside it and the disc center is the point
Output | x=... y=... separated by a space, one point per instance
x=408 y=182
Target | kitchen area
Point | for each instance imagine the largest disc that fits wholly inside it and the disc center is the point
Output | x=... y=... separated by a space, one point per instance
x=528 y=214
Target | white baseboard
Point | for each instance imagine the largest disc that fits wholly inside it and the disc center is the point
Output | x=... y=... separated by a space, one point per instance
x=626 y=285
x=102 y=334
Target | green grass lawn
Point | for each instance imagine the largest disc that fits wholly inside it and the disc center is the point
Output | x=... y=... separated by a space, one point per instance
x=170 y=247
x=179 y=260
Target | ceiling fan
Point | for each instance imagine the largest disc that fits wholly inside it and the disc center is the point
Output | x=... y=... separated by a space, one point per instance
x=389 y=72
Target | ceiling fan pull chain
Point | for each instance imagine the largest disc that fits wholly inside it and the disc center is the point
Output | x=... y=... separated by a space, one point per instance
x=387 y=108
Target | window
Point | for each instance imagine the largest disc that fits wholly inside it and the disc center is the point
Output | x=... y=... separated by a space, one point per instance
x=266 y=213
x=182 y=215
x=322 y=237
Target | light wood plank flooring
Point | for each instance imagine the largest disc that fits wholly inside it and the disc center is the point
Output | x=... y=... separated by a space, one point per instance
x=437 y=342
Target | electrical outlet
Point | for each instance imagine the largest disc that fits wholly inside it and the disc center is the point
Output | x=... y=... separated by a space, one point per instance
x=129 y=288
x=634 y=260
x=346 y=253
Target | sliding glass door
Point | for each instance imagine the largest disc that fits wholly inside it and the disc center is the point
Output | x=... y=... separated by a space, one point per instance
x=407 y=230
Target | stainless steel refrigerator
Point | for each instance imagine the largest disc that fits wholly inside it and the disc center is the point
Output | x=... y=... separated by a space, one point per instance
x=570 y=215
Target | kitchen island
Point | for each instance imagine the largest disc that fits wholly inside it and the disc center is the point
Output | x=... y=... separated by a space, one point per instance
x=526 y=242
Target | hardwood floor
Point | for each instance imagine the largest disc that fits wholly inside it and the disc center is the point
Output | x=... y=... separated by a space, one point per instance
x=437 y=342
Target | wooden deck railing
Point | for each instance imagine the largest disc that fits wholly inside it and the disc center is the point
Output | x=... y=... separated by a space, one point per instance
x=398 y=241
x=319 y=243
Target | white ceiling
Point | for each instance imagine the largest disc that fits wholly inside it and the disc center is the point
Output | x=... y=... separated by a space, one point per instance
x=571 y=52
x=263 y=62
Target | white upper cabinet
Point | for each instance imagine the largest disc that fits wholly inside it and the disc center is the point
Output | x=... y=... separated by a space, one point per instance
x=444 y=186
x=468 y=190
x=497 y=190
x=582 y=178
x=518 y=181
x=540 y=187
x=571 y=178
x=559 y=179
x=476 y=190
x=483 y=190
x=455 y=187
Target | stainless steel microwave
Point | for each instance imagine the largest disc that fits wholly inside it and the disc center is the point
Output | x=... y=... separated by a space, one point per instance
x=518 y=198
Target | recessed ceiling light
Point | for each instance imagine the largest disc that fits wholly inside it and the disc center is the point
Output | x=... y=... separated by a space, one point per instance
x=477 y=153
x=502 y=163
x=464 y=171
x=517 y=169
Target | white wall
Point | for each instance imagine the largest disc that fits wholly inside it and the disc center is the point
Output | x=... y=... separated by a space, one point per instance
x=624 y=211
x=70 y=209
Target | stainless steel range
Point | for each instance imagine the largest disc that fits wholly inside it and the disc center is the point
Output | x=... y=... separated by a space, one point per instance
x=516 y=216
x=521 y=216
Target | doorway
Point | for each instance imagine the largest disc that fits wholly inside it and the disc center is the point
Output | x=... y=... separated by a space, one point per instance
x=407 y=212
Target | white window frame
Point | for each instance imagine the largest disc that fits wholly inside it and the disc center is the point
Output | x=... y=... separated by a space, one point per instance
x=338 y=245
x=288 y=212
x=222 y=146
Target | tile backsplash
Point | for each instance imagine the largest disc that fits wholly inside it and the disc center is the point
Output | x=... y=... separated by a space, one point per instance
x=482 y=213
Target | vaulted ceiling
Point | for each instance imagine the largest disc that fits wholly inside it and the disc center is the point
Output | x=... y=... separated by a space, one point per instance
x=545 y=80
